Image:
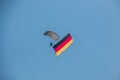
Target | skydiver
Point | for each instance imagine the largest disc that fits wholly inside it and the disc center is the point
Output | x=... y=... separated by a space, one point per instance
x=51 y=43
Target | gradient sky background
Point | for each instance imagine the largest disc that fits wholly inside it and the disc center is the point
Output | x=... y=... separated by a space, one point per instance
x=25 y=53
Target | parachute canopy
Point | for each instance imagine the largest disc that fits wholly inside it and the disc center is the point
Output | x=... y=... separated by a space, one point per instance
x=63 y=44
x=52 y=35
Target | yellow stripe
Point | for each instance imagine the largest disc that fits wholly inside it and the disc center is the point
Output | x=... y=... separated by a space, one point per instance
x=64 y=48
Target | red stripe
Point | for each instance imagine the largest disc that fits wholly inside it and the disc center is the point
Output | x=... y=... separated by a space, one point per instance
x=63 y=44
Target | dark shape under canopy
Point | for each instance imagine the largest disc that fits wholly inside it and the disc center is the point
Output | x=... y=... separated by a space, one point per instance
x=52 y=35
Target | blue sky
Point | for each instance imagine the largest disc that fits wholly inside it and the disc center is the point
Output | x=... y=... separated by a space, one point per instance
x=26 y=54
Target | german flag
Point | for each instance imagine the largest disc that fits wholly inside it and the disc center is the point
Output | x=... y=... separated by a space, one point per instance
x=63 y=44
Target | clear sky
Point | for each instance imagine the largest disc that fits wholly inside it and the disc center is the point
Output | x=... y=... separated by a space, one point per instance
x=25 y=53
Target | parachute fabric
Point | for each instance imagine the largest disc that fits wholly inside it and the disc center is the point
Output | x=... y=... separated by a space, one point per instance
x=52 y=35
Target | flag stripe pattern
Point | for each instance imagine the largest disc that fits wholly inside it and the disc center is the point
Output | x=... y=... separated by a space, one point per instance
x=63 y=44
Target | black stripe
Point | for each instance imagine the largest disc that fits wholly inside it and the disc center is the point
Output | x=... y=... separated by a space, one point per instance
x=61 y=41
